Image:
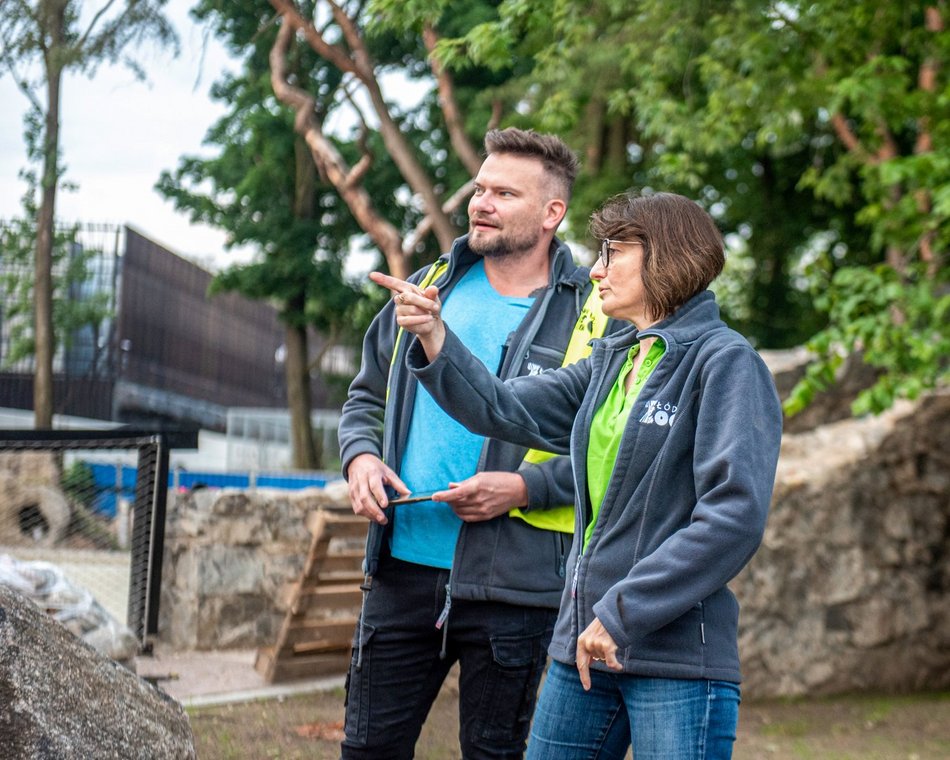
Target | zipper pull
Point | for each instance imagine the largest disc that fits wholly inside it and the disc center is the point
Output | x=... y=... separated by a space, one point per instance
x=577 y=565
x=444 y=615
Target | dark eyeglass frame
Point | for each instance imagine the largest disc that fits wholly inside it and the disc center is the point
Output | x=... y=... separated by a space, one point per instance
x=605 y=249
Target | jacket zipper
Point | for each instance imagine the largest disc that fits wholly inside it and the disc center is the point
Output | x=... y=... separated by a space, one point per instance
x=443 y=619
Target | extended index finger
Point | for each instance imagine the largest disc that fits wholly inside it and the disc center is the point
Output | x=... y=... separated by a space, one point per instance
x=393 y=284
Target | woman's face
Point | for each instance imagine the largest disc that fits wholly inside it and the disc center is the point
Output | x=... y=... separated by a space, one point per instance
x=617 y=273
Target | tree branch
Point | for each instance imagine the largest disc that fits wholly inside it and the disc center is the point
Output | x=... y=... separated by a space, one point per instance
x=927 y=82
x=497 y=108
x=361 y=59
x=314 y=38
x=81 y=45
x=425 y=226
x=453 y=118
x=359 y=171
x=328 y=158
x=359 y=63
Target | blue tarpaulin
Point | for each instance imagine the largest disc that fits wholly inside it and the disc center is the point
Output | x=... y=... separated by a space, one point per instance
x=114 y=479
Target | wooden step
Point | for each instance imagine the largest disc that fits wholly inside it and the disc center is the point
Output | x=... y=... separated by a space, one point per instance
x=337 y=526
x=289 y=593
x=323 y=634
x=298 y=600
x=317 y=665
x=343 y=561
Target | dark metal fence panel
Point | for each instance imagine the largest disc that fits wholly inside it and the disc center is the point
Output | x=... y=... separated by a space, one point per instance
x=51 y=511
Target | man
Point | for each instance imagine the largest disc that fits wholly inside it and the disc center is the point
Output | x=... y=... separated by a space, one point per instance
x=459 y=576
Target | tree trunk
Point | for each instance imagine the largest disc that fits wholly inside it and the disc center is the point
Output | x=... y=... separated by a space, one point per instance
x=304 y=451
x=410 y=168
x=305 y=455
x=45 y=232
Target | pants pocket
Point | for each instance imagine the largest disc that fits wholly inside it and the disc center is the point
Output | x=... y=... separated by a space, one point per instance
x=510 y=689
x=356 y=702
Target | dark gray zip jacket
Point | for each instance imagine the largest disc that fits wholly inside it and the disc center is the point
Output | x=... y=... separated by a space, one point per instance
x=503 y=559
x=686 y=505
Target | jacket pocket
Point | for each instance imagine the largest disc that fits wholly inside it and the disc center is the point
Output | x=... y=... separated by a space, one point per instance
x=562 y=545
x=540 y=358
x=681 y=641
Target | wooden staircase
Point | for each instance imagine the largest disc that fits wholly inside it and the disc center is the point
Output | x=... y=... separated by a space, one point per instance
x=322 y=607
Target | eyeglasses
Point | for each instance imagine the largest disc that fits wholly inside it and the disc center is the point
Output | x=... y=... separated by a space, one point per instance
x=605 y=248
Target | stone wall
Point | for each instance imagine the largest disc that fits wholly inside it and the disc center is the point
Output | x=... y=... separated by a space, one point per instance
x=227 y=555
x=851 y=587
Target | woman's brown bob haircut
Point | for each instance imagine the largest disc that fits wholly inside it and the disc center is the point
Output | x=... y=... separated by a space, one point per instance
x=682 y=248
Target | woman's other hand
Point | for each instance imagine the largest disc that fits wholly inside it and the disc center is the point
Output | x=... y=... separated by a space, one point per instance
x=595 y=644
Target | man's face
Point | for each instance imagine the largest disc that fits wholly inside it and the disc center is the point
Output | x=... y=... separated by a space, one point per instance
x=507 y=212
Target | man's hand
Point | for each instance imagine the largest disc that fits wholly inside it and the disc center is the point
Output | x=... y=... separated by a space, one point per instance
x=417 y=311
x=367 y=478
x=595 y=644
x=485 y=495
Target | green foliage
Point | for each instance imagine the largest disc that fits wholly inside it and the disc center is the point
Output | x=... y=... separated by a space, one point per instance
x=78 y=483
x=804 y=128
x=900 y=325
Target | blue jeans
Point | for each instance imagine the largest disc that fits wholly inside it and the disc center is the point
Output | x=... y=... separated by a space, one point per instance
x=501 y=650
x=663 y=718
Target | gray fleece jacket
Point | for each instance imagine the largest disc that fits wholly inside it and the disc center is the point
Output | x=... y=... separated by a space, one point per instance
x=686 y=505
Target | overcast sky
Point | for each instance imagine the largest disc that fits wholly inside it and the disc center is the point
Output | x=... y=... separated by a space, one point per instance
x=118 y=135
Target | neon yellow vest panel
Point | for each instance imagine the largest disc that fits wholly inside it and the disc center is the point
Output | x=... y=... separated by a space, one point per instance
x=590 y=324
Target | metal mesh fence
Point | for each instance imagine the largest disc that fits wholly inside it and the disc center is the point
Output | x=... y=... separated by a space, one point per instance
x=82 y=521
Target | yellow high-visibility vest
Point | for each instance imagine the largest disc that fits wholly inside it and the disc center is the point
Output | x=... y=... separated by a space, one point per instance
x=434 y=271
x=590 y=324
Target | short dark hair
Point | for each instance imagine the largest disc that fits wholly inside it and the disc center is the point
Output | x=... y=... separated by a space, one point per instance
x=682 y=247
x=558 y=160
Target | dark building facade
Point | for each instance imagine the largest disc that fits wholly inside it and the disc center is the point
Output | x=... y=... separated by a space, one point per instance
x=168 y=351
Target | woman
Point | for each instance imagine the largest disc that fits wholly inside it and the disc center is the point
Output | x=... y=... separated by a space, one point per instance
x=674 y=426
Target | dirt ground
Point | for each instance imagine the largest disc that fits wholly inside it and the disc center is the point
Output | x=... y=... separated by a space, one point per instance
x=847 y=728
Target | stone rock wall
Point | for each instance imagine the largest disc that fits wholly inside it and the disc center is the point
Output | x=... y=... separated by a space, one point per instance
x=33 y=510
x=60 y=699
x=227 y=555
x=851 y=587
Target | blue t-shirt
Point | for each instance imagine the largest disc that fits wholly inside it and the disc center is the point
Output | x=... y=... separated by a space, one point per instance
x=439 y=450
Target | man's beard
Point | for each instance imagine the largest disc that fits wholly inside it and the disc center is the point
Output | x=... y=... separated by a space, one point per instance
x=505 y=244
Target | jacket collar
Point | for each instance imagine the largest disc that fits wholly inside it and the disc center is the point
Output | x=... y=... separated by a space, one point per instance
x=697 y=316
x=563 y=269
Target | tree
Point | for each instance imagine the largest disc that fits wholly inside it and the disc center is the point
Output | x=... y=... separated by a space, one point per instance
x=840 y=108
x=55 y=36
x=263 y=187
x=342 y=41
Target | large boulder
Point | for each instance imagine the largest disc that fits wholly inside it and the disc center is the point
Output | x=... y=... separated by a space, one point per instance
x=851 y=587
x=61 y=699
